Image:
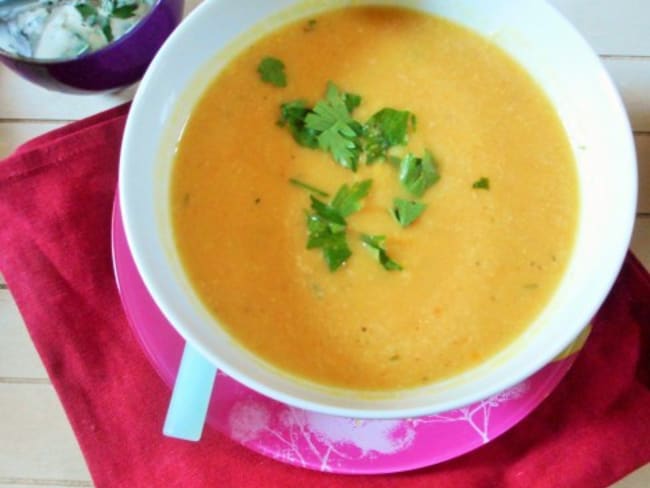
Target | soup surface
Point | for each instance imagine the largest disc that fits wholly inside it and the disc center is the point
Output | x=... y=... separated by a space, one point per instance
x=478 y=265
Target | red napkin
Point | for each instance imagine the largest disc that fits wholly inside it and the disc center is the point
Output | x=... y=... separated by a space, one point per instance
x=56 y=195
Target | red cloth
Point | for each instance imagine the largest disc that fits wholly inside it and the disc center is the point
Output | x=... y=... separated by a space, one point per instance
x=56 y=195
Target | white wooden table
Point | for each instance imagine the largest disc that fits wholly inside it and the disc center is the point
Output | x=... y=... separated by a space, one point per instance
x=37 y=447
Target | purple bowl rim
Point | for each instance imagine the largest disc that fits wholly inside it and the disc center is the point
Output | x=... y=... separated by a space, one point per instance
x=84 y=56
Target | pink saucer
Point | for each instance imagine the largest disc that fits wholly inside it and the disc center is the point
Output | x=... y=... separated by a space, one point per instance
x=324 y=442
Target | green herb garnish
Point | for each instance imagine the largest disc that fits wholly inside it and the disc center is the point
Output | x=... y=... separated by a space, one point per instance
x=482 y=184
x=327 y=226
x=418 y=174
x=293 y=114
x=271 y=71
x=385 y=129
x=348 y=200
x=107 y=30
x=337 y=131
x=327 y=232
x=377 y=246
x=308 y=187
x=86 y=10
x=406 y=212
x=124 y=12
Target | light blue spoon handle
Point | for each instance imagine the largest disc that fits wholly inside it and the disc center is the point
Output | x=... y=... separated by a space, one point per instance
x=191 y=396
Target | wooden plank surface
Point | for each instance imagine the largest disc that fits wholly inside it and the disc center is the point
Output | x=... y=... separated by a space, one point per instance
x=18 y=359
x=613 y=27
x=37 y=447
x=632 y=78
x=37 y=441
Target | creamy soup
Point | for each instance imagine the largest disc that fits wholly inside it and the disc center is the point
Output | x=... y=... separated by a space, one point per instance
x=493 y=230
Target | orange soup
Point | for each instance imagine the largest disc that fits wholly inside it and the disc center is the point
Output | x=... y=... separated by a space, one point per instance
x=432 y=256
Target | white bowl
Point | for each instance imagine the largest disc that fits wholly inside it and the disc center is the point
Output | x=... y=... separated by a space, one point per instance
x=533 y=33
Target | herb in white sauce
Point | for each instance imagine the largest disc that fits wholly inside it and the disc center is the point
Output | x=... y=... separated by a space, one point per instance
x=59 y=29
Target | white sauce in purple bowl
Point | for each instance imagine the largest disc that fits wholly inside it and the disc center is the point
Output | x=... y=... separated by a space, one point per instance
x=65 y=29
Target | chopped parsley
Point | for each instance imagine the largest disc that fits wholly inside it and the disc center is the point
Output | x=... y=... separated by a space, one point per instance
x=418 y=174
x=377 y=246
x=330 y=126
x=385 y=129
x=124 y=12
x=348 y=200
x=271 y=71
x=107 y=30
x=293 y=114
x=308 y=187
x=406 y=211
x=86 y=10
x=326 y=224
x=338 y=133
x=482 y=184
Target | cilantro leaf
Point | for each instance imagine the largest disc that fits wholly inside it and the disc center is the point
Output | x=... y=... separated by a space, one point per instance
x=418 y=174
x=385 y=129
x=482 y=184
x=292 y=114
x=124 y=12
x=377 y=246
x=337 y=132
x=271 y=71
x=308 y=187
x=86 y=10
x=406 y=212
x=348 y=200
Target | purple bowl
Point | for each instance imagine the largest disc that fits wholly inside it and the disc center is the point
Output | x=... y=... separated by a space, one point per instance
x=116 y=65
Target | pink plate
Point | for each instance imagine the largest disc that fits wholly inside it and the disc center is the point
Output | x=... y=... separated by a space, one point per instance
x=324 y=442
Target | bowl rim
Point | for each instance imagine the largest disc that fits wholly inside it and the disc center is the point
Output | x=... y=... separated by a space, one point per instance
x=619 y=246
x=114 y=44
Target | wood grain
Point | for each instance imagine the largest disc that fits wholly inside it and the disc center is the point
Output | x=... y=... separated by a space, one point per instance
x=641 y=241
x=37 y=441
x=12 y=134
x=18 y=358
x=643 y=158
x=611 y=26
x=632 y=78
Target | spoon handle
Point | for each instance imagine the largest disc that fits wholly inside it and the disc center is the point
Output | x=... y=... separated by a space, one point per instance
x=191 y=396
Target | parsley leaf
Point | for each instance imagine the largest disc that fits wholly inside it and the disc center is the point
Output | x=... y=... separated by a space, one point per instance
x=327 y=232
x=107 y=30
x=352 y=101
x=124 y=12
x=86 y=10
x=406 y=212
x=292 y=114
x=308 y=187
x=377 y=246
x=418 y=174
x=482 y=184
x=328 y=213
x=348 y=199
x=337 y=132
x=327 y=226
x=271 y=71
x=385 y=129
